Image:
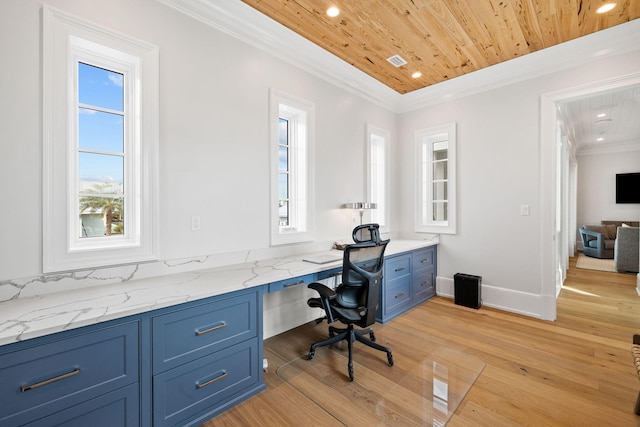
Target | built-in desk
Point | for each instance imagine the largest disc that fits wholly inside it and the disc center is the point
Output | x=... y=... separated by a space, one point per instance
x=118 y=354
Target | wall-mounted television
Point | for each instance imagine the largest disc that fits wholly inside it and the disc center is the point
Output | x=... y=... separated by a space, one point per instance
x=628 y=187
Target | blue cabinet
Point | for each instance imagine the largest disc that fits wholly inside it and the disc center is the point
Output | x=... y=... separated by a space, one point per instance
x=196 y=391
x=408 y=280
x=206 y=357
x=59 y=374
x=189 y=333
x=174 y=366
x=117 y=408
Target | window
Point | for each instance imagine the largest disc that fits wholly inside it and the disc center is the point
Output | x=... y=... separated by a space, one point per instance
x=100 y=113
x=378 y=175
x=291 y=179
x=436 y=187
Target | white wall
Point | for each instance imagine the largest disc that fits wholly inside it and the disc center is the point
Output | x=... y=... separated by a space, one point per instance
x=499 y=151
x=597 y=187
x=213 y=128
x=214 y=145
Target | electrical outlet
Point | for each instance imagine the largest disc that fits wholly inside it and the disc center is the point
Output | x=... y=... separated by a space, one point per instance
x=524 y=210
x=195 y=223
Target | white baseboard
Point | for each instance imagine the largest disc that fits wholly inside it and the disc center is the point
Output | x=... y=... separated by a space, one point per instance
x=518 y=302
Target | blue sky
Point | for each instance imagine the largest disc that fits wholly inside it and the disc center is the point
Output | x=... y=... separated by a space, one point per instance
x=99 y=130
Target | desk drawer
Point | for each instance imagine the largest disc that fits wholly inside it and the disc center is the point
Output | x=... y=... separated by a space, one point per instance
x=424 y=284
x=396 y=267
x=291 y=283
x=119 y=408
x=40 y=380
x=204 y=384
x=396 y=294
x=327 y=274
x=424 y=258
x=188 y=334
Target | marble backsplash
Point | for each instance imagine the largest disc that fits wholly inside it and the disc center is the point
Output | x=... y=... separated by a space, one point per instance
x=11 y=289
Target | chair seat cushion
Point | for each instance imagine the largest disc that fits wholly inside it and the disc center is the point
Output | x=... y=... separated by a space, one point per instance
x=350 y=314
x=608 y=244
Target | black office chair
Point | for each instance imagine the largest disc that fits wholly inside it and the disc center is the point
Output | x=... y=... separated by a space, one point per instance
x=355 y=301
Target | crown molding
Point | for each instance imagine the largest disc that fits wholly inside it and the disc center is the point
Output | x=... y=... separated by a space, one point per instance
x=241 y=21
x=619 y=147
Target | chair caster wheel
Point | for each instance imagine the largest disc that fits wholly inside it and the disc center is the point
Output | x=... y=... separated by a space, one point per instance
x=351 y=376
x=390 y=359
x=372 y=337
x=311 y=354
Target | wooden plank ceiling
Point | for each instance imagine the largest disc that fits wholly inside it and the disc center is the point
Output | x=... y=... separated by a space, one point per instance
x=442 y=39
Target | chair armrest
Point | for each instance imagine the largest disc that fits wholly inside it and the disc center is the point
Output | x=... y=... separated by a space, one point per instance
x=591 y=233
x=324 y=291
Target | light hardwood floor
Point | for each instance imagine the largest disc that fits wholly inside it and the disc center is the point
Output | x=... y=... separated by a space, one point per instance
x=575 y=371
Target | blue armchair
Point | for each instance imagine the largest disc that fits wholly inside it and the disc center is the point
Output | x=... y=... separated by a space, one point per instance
x=597 y=242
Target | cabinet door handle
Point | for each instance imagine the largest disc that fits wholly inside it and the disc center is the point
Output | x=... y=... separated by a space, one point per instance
x=399 y=269
x=425 y=283
x=50 y=380
x=288 y=285
x=211 y=381
x=400 y=295
x=221 y=325
x=426 y=260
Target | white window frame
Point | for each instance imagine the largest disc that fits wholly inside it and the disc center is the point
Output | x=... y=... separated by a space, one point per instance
x=378 y=183
x=424 y=141
x=66 y=41
x=301 y=116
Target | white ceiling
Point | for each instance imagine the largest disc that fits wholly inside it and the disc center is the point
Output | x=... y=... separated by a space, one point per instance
x=612 y=116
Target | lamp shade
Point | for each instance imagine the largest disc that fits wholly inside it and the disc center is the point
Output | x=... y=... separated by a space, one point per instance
x=359 y=205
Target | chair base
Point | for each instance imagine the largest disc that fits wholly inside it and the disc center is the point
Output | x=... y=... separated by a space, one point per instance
x=350 y=334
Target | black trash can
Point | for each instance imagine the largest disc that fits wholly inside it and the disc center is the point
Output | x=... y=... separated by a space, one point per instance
x=467 y=290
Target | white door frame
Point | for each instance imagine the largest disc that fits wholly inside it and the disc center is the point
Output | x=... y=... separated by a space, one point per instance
x=548 y=167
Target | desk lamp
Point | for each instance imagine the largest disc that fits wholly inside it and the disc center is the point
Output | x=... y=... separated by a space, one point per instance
x=361 y=206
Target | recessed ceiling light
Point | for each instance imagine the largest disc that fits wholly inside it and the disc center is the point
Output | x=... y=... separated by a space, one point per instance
x=600 y=139
x=333 y=11
x=416 y=75
x=605 y=8
x=602 y=115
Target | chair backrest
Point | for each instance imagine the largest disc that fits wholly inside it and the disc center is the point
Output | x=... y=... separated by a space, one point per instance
x=366 y=233
x=362 y=269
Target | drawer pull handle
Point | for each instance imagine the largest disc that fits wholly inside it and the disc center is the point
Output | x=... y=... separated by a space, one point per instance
x=222 y=324
x=400 y=295
x=399 y=269
x=425 y=283
x=211 y=381
x=426 y=260
x=49 y=381
x=288 y=285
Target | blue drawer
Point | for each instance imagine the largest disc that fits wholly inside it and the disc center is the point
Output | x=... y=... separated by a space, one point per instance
x=291 y=283
x=185 y=335
x=396 y=267
x=46 y=378
x=327 y=274
x=397 y=294
x=424 y=258
x=204 y=385
x=424 y=284
x=118 y=408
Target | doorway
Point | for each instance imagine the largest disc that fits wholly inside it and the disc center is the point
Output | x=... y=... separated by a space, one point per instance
x=558 y=176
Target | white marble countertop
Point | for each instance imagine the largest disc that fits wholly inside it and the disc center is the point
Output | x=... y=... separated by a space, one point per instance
x=40 y=315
